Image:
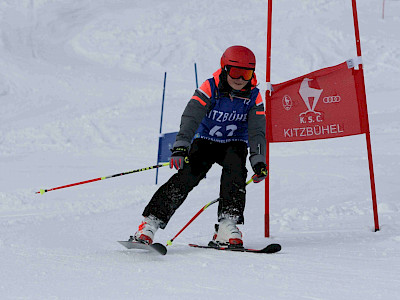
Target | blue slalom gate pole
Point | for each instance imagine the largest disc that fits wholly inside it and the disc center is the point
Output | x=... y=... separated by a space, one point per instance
x=195 y=73
x=161 y=120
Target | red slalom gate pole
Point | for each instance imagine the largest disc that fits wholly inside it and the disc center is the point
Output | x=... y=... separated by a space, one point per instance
x=42 y=191
x=267 y=124
x=365 y=116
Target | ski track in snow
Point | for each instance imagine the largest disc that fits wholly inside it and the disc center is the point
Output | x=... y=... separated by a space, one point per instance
x=80 y=91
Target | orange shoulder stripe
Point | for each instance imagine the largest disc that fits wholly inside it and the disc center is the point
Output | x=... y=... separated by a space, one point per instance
x=206 y=88
x=259 y=99
x=199 y=99
x=260 y=112
x=216 y=76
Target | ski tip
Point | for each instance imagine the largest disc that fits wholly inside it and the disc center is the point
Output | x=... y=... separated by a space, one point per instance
x=160 y=248
x=273 y=248
x=155 y=247
x=125 y=244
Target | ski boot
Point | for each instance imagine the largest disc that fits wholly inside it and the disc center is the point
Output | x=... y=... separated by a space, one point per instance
x=227 y=235
x=147 y=229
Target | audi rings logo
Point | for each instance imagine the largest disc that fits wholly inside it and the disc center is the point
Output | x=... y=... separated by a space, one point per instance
x=287 y=102
x=332 y=99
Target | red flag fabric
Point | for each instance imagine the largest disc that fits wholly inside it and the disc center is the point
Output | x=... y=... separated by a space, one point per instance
x=323 y=104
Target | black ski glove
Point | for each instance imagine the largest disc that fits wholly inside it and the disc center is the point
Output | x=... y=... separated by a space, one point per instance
x=261 y=172
x=179 y=157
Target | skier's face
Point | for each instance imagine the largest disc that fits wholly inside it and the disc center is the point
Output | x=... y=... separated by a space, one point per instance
x=237 y=84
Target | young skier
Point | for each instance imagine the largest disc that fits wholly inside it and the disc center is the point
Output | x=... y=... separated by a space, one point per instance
x=223 y=117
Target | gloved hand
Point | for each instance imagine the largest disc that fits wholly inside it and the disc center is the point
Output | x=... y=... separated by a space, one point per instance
x=261 y=172
x=179 y=157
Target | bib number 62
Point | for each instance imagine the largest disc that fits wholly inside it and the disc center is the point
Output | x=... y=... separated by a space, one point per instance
x=229 y=129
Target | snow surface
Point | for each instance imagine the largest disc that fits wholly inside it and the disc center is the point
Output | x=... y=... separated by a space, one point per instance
x=80 y=93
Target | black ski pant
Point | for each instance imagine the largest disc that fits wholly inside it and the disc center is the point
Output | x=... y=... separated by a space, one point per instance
x=203 y=154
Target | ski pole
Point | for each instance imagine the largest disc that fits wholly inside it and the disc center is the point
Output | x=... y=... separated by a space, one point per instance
x=169 y=243
x=42 y=191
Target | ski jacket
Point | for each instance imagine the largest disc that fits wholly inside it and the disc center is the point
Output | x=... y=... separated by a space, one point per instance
x=223 y=118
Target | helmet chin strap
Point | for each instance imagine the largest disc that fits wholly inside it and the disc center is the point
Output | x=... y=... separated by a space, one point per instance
x=243 y=93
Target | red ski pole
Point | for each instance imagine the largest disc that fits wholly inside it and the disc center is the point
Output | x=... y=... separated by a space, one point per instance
x=42 y=191
x=169 y=243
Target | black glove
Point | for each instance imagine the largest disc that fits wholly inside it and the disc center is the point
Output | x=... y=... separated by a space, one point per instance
x=261 y=172
x=179 y=157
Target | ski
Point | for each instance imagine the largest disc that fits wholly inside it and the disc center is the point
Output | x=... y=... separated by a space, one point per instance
x=155 y=247
x=271 y=248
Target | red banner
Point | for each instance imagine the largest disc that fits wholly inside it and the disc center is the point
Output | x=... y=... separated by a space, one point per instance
x=327 y=103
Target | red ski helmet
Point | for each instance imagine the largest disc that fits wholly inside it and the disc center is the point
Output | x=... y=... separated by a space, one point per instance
x=238 y=56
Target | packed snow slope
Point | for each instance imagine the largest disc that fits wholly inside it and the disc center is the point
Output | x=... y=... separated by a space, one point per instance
x=81 y=84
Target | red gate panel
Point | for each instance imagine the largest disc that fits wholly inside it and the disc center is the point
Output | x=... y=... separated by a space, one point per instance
x=322 y=104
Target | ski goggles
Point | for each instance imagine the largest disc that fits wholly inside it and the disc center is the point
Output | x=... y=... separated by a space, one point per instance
x=236 y=73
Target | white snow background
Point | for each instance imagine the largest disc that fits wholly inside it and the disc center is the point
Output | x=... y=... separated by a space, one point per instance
x=80 y=94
